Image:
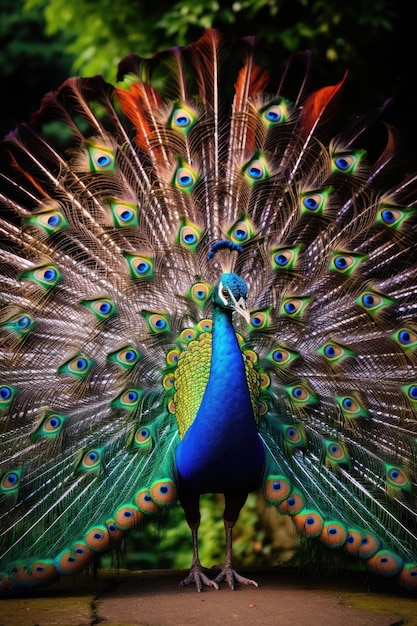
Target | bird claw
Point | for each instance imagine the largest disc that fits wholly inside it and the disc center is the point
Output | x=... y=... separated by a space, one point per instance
x=231 y=576
x=198 y=577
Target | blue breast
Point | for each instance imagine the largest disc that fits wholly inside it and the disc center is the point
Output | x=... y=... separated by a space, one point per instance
x=222 y=451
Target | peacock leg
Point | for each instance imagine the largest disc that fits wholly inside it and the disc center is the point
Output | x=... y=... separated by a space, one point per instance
x=197 y=575
x=228 y=573
x=191 y=505
x=231 y=513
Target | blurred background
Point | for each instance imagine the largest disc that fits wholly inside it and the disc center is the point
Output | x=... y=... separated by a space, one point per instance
x=43 y=42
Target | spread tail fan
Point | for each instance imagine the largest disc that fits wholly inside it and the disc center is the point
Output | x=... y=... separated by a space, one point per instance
x=204 y=291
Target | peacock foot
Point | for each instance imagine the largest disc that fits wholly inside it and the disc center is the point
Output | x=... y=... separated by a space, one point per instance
x=231 y=576
x=198 y=577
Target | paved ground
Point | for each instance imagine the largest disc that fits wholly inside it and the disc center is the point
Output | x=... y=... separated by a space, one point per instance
x=152 y=598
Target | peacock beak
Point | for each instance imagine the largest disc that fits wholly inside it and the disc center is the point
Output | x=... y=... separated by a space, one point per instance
x=241 y=308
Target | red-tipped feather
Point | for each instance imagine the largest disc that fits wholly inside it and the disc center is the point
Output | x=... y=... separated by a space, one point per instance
x=320 y=107
x=138 y=104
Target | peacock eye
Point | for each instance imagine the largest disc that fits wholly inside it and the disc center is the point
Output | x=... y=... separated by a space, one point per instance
x=225 y=292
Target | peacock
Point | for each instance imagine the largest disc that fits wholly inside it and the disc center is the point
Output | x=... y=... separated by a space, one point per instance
x=205 y=289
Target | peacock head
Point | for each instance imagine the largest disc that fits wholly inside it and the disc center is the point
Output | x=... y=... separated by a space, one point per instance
x=231 y=292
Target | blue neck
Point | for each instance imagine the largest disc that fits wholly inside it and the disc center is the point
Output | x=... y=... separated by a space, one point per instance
x=221 y=450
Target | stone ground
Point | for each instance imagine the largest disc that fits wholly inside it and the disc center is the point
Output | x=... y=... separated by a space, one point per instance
x=152 y=598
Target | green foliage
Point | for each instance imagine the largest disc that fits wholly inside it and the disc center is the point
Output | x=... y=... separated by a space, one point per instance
x=30 y=62
x=103 y=32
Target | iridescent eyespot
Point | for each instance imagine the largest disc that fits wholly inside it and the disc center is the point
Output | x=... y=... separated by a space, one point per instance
x=126 y=516
x=344 y=163
x=157 y=322
x=407 y=577
x=50 y=426
x=294 y=306
x=144 y=502
x=397 y=478
x=97 y=539
x=251 y=356
x=241 y=231
x=130 y=356
x=370 y=544
x=334 y=534
x=140 y=439
x=7 y=393
x=259 y=320
x=309 y=523
x=205 y=326
x=314 y=201
x=168 y=381
x=143 y=434
x=340 y=263
x=373 y=302
x=103 y=308
x=275 y=113
x=263 y=407
x=127 y=399
x=126 y=357
x=172 y=356
x=281 y=355
x=10 y=481
x=265 y=380
x=20 y=324
x=46 y=276
x=116 y=534
x=90 y=461
x=284 y=258
x=347 y=162
x=406 y=338
x=92 y=458
x=385 y=563
x=293 y=504
x=334 y=352
x=73 y=561
x=256 y=169
x=276 y=489
x=301 y=394
x=353 y=540
x=125 y=214
x=336 y=453
x=140 y=266
x=78 y=366
x=410 y=391
x=54 y=220
x=101 y=158
x=346 y=263
x=392 y=216
x=49 y=218
x=37 y=572
x=185 y=178
x=189 y=235
x=187 y=335
x=182 y=118
x=200 y=293
x=352 y=407
x=163 y=492
x=294 y=435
